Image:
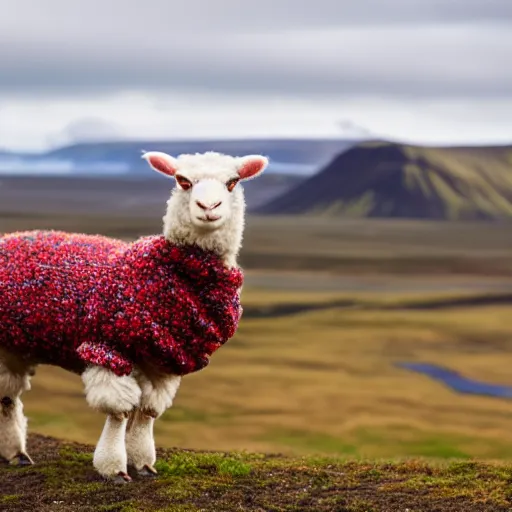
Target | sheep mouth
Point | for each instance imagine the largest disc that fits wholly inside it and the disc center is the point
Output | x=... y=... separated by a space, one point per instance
x=209 y=218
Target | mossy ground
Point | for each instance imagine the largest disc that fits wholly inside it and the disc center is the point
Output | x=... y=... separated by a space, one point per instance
x=63 y=479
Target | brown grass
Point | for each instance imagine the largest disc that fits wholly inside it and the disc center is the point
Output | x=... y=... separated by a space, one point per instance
x=355 y=247
x=325 y=382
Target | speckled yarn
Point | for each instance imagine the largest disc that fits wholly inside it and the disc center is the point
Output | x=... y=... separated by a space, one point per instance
x=72 y=300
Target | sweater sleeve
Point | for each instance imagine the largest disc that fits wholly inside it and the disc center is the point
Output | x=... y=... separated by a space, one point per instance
x=102 y=355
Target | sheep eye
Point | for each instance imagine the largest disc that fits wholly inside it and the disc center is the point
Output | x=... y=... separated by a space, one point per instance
x=231 y=184
x=183 y=182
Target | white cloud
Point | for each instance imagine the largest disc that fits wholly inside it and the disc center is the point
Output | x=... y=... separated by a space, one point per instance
x=185 y=114
x=427 y=60
x=429 y=70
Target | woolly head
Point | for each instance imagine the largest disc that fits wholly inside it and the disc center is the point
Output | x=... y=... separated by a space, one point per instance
x=208 y=197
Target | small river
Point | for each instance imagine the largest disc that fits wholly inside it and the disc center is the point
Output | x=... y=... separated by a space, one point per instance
x=458 y=382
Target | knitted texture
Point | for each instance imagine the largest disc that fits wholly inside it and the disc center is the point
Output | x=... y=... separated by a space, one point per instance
x=71 y=300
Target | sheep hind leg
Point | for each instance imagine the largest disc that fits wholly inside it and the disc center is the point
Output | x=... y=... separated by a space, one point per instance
x=14 y=379
x=13 y=426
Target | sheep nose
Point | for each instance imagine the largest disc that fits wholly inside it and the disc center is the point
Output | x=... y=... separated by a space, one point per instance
x=204 y=207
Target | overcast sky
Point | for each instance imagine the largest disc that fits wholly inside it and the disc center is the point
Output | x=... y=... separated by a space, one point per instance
x=433 y=71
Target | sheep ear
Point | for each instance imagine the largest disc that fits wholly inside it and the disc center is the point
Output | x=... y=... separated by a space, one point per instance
x=161 y=162
x=251 y=166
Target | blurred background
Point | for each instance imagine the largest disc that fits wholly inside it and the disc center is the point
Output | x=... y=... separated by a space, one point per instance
x=378 y=250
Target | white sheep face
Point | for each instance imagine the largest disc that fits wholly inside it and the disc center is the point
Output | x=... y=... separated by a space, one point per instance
x=207 y=194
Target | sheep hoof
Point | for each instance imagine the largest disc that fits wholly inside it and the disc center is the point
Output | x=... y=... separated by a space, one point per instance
x=122 y=478
x=148 y=471
x=24 y=459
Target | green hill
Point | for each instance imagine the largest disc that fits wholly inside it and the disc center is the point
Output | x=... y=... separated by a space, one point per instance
x=383 y=179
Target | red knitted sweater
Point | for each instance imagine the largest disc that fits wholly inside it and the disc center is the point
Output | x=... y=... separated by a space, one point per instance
x=72 y=300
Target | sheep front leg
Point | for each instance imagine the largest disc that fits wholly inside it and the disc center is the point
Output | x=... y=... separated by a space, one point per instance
x=140 y=443
x=116 y=397
x=158 y=392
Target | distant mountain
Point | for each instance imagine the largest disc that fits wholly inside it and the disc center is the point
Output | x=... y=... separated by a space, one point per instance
x=384 y=179
x=288 y=156
x=127 y=196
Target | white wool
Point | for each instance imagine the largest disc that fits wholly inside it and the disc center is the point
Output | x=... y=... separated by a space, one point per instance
x=13 y=429
x=14 y=380
x=14 y=375
x=225 y=241
x=158 y=391
x=208 y=172
x=108 y=393
x=140 y=441
x=110 y=456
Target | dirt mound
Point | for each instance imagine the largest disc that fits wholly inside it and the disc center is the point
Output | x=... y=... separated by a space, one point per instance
x=63 y=479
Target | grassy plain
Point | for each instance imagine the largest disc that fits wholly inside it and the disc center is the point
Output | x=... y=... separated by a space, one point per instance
x=324 y=381
x=354 y=247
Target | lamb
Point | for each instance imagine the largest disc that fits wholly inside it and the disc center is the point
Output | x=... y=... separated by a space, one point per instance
x=131 y=318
